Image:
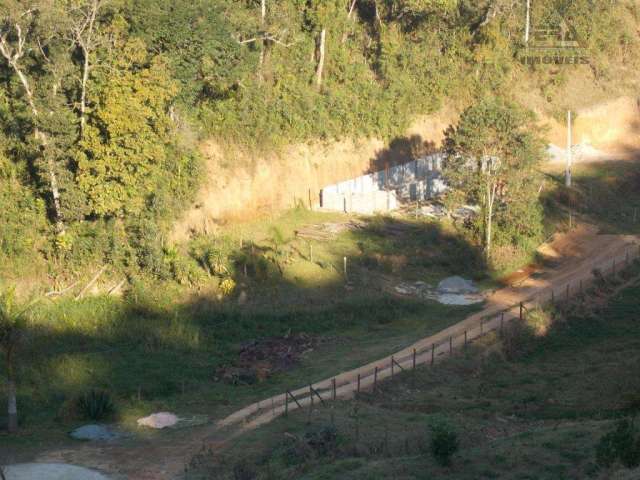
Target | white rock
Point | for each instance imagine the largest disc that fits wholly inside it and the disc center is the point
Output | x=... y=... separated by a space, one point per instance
x=158 y=420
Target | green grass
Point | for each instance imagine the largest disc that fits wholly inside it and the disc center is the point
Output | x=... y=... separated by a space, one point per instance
x=605 y=193
x=158 y=347
x=537 y=417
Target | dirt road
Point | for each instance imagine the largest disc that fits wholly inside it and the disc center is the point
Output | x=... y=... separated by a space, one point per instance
x=572 y=257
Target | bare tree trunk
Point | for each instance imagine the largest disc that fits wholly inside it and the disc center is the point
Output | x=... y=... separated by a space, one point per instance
x=84 y=38
x=83 y=93
x=321 y=53
x=352 y=8
x=345 y=35
x=12 y=410
x=12 y=407
x=491 y=195
x=12 y=58
x=263 y=47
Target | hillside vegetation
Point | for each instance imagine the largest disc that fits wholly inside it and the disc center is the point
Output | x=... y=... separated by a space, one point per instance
x=103 y=108
x=103 y=103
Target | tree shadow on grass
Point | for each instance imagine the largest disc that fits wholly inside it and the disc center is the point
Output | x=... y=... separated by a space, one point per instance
x=153 y=352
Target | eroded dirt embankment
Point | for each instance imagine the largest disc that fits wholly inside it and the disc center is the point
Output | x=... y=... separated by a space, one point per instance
x=241 y=186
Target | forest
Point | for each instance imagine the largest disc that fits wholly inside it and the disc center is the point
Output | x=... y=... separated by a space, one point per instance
x=103 y=102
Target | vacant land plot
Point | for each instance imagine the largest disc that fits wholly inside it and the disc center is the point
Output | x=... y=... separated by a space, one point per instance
x=164 y=347
x=539 y=415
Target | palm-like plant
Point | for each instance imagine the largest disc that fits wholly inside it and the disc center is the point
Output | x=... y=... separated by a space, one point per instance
x=12 y=329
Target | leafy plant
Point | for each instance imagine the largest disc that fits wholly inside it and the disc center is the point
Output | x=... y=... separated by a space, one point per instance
x=95 y=405
x=444 y=442
x=622 y=443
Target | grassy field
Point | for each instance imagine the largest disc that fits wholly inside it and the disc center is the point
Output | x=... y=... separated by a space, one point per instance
x=537 y=416
x=159 y=347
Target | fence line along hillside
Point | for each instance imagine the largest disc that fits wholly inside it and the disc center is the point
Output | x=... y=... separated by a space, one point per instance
x=427 y=351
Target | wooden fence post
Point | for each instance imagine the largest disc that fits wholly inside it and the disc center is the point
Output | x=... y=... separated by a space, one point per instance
x=358 y=388
x=391 y=366
x=414 y=359
x=553 y=297
x=520 y=310
x=333 y=385
x=375 y=379
x=465 y=339
x=433 y=353
x=286 y=404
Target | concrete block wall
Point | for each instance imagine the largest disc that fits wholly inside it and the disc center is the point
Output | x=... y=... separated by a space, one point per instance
x=382 y=191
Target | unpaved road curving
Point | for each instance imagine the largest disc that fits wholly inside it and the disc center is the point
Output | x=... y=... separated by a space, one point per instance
x=574 y=255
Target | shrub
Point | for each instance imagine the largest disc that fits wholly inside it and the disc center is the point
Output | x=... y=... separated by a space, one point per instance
x=323 y=440
x=95 y=405
x=318 y=442
x=622 y=443
x=243 y=471
x=518 y=337
x=444 y=443
x=227 y=286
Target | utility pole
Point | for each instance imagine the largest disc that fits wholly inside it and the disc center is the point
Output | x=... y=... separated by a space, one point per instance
x=569 y=155
x=528 y=23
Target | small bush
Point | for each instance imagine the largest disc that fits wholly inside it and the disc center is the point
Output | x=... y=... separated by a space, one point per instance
x=622 y=443
x=323 y=441
x=319 y=442
x=444 y=443
x=95 y=405
x=293 y=451
x=518 y=337
x=244 y=471
x=227 y=287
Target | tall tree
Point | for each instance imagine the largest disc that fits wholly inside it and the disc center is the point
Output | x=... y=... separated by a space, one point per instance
x=124 y=147
x=492 y=150
x=84 y=22
x=19 y=36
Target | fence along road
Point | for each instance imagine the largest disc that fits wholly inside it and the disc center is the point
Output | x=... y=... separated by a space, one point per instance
x=503 y=306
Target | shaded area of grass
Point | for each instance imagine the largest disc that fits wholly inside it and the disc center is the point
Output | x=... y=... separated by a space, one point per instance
x=605 y=193
x=539 y=416
x=159 y=347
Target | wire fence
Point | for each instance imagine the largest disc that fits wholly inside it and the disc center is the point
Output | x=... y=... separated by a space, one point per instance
x=425 y=352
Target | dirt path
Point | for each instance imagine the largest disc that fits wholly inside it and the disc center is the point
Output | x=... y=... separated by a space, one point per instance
x=574 y=255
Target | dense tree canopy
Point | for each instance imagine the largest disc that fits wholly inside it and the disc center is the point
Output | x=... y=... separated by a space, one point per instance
x=102 y=101
x=493 y=153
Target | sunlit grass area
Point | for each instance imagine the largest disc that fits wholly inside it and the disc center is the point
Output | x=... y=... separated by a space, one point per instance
x=160 y=346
